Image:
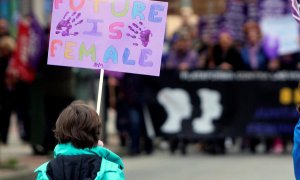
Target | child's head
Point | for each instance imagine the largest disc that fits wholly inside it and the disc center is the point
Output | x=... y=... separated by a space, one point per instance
x=79 y=124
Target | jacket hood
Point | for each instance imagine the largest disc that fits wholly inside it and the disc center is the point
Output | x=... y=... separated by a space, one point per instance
x=69 y=149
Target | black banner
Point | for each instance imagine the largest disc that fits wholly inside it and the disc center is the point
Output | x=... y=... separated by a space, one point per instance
x=201 y=104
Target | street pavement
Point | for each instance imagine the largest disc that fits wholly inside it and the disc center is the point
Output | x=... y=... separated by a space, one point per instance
x=204 y=167
x=193 y=166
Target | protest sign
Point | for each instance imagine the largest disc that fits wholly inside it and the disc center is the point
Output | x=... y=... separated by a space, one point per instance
x=115 y=35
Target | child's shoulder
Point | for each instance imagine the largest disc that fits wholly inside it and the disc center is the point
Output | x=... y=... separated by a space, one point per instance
x=110 y=171
x=41 y=171
x=111 y=167
x=110 y=156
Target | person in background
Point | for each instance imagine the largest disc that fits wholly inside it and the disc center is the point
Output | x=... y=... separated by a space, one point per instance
x=260 y=54
x=130 y=117
x=257 y=53
x=204 y=47
x=182 y=56
x=19 y=77
x=224 y=55
x=253 y=54
x=205 y=43
x=57 y=84
x=37 y=104
x=7 y=47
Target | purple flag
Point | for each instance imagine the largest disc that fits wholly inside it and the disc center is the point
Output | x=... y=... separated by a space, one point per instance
x=36 y=43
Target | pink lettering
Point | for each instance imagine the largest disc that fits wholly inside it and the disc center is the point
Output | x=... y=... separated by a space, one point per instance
x=117 y=32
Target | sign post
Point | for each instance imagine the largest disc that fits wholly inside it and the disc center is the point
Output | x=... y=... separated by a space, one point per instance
x=100 y=91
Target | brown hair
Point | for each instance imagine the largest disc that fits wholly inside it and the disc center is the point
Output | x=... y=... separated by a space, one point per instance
x=252 y=25
x=79 y=124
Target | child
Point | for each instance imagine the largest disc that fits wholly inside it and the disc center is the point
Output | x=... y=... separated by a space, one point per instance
x=79 y=154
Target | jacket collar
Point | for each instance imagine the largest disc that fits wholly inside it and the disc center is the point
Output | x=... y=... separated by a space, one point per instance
x=68 y=149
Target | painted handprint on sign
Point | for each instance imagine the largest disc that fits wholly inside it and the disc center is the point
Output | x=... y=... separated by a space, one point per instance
x=65 y=26
x=138 y=31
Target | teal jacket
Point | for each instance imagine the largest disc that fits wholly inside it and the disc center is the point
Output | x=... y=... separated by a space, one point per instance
x=111 y=164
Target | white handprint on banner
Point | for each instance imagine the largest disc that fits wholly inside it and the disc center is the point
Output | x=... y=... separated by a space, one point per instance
x=178 y=106
x=211 y=108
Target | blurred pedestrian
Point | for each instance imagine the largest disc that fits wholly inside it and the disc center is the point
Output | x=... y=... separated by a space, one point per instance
x=59 y=92
x=224 y=55
x=253 y=54
x=37 y=102
x=260 y=54
x=182 y=56
x=20 y=75
x=58 y=86
x=79 y=153
x=7 y=47
x=52 y=90
x=130 y=117
x=257 y=53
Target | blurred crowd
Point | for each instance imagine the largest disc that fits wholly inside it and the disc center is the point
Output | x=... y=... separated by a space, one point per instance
x=38 y=98
x=36 y=93
x=188 y=49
